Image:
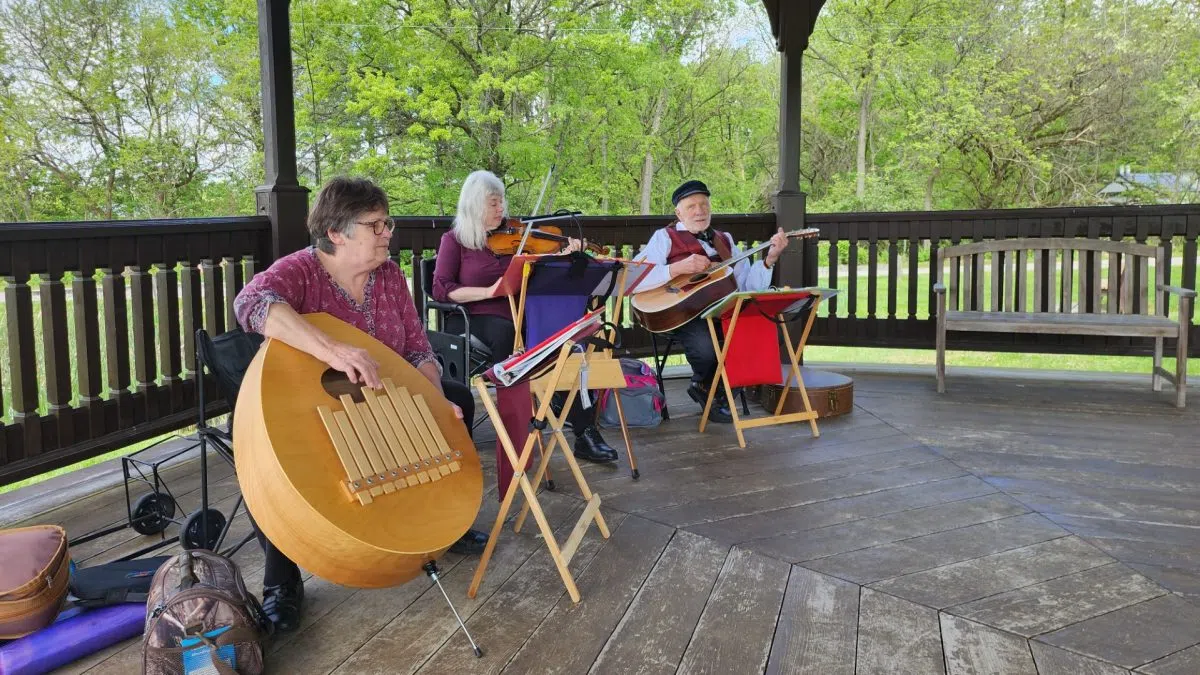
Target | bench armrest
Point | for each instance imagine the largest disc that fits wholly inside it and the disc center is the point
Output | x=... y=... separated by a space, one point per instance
x=1181 y=292
x=939 y=288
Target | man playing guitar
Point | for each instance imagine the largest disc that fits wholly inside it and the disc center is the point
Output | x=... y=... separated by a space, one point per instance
x=689 y=246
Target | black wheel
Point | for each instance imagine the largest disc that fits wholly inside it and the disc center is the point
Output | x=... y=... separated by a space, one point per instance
x=152 y=513
x=192 y=535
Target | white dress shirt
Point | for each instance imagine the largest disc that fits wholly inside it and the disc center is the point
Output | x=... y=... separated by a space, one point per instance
x=749 y=277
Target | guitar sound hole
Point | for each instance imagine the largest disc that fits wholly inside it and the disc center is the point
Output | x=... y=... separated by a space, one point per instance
x=335 y=383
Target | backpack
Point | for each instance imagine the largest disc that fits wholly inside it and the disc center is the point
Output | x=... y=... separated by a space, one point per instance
x=641 y=399
x=201 y=619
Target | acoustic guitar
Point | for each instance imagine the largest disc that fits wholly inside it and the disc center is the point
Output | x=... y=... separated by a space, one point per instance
x=359 y=486
x=687 y=296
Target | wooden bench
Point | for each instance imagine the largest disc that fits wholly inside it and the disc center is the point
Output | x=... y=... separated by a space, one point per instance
x=990 y=289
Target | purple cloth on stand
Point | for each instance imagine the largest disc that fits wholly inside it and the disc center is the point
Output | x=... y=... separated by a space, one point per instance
x=72 y=638
x=545 y=315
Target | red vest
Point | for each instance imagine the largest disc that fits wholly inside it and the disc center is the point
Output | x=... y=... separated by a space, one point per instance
x=684 y=244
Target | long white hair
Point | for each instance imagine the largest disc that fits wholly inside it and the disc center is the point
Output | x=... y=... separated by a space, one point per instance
x=469 y=228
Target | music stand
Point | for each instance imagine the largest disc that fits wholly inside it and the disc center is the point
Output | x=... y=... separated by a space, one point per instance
x=548 y=367
x=559 y=288
x=759 y=313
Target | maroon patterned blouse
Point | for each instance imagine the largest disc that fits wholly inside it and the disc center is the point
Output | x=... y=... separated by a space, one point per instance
x=387 y=312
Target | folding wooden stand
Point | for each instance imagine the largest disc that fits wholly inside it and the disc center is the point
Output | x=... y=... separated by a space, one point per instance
x=516 y=303
x=742 y=301
x=564 y=376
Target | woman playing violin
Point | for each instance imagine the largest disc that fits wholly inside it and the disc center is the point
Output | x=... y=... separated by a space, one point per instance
x=468 y=272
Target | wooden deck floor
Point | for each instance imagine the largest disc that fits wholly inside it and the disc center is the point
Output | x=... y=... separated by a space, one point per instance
x=1008 y=526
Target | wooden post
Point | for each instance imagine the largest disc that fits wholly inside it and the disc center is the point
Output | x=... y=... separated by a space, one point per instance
x=281 y=197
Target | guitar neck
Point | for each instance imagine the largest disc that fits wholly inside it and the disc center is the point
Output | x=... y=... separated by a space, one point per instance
x=761 y=247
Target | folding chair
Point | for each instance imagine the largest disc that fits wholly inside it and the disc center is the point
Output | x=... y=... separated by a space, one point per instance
x=461 y=355
x=227 y=357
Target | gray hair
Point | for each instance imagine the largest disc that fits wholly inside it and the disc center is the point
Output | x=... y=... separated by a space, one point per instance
x=472 y=202
x=339 y=203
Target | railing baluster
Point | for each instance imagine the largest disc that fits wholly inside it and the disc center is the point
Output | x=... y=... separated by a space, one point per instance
x=141 y=294
x=116 y=341
x=893 y=243
x=87 y=348
x=914 y=276
x=231 y=276
x=208 y=280
x=22 y=355
x=191 y=315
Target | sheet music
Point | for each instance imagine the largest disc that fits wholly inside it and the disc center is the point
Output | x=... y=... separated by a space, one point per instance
x=515 y=368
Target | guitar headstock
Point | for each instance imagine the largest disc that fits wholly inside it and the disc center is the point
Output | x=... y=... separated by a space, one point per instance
x=805 y=233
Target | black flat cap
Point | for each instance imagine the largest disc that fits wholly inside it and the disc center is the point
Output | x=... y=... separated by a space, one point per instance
x=689 y=188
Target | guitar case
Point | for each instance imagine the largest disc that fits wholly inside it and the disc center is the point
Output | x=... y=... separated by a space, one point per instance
x=830 y=394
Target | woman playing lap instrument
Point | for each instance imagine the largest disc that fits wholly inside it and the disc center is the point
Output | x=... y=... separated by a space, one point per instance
x=349 y=275
x=467 y=272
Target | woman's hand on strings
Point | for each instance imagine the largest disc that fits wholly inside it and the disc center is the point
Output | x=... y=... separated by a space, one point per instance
x=573 y=245
x=356 y=363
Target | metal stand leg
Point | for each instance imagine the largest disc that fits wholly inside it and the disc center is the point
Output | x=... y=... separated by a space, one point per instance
x=432 y=570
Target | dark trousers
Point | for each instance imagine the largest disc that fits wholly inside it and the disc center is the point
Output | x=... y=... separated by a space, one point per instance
x=278 y=568
x=697 y=345
x=499 y=334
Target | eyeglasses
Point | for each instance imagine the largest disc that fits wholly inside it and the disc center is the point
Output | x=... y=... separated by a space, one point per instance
x=378 y=226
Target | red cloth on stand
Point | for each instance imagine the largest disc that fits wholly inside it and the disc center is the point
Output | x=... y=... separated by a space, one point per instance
x=515 y=404
x=754 y=354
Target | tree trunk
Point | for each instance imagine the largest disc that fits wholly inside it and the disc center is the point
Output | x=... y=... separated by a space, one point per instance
x=864 y=114
x=604 y=174
x=937 y=170
x=660 y=109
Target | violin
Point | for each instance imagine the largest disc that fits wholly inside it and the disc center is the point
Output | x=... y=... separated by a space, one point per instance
x=542 y=240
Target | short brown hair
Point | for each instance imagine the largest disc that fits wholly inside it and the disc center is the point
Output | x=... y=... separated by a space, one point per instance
x=339 y=203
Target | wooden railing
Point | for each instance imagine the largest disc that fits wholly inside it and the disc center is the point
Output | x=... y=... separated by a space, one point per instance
x=885 y=266
x=100 y=322
x=99 y=318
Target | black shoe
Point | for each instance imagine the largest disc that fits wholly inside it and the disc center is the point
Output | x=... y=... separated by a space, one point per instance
x=720 y=407
x=471 y=543
x=282 y=605
x=590 y=446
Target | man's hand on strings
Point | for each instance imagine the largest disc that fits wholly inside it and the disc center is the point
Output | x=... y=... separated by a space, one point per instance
x=573 y=245
x=779 y=241
x=693 y=264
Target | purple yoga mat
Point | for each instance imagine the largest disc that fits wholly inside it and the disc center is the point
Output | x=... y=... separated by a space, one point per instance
x=68 y=639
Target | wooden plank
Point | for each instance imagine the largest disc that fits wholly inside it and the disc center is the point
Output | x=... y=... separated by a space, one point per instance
x=727 y=479
x=504 y=623
x=817 y=628
x=990 y=575
x=975 y=649
x=893 y=527
x=897 y=636
x=658 y=625
x=734 y=632
x=708 y=511
x=608 y=585
x=1055 y=661
x=1128 y=325
x=1175 y=622
x=1051 y=605
x=780 y=524
x=941 y=548
x=395 y=630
